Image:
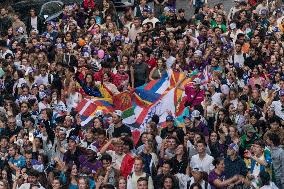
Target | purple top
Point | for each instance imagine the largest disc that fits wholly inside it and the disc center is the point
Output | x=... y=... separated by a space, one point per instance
x=193 y=65
x=213 y=176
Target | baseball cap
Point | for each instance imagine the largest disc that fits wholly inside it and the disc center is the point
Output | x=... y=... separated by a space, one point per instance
x=281 y=92
x=74 y=138
x=198 y=53
x=197 y=168
x=233 y=26
x=249 y=129
x=187 y=116
x=234 y=147
x=118 y=112
x=92 y=147
x=62 y=130
x=197 y=81
x=195 y=113
x=169 y=118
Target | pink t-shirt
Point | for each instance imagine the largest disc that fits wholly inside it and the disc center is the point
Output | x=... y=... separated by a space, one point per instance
x=191 y=93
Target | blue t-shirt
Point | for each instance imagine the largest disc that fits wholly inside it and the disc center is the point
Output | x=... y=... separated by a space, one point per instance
x=20 y=162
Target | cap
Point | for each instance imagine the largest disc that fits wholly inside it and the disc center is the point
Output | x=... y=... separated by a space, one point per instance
x=197 y=81
x=263 y=11
x=281 y=92
x=233 y=26
x=118 y=38
x=187 y=116
x=169 y=118
x=198 y=53
x=234 y=147
x=118 y=112
x=195 y=114
x=62 y=130
x=166 y=9
x=42 y=95
x=35 y=31
x=92 y=147
x=197 y=168
x=74 y=138
x=29 y=119
x=20 y=30
x=99 y=113
x=249 y=129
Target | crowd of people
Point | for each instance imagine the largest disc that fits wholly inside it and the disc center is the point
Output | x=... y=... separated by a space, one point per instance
x=232 y=137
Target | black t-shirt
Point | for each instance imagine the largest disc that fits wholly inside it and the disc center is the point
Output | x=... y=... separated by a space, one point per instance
x=121 y=131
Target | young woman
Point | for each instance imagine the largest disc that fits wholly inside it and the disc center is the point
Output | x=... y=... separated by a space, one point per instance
x=158 y=71
x=216 y=177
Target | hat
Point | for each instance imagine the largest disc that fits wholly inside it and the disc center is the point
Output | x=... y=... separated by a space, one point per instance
x=197 y=81
x=281 y=92
x=29 y=119
x=42 y=95
x=169 y=118
x=118 y=38
x=187 y=116
x=74 y=138
x=118 y=112
x=198 y=53
x=197 y=168
x=249 y=129
x=92 y=147
x=234 y=147
x=62 y=130
x=263 y=11
x=195 y=114
x=99 y=113
x=166 y=9
x=233 y=26
x=34 y=31
x=279 y=10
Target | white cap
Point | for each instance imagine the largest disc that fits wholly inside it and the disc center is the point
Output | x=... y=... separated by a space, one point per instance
x=195 y=114
x=118 y=112
x=197 y=81
x=233 y=26
x=99 y=113
x=198 y=53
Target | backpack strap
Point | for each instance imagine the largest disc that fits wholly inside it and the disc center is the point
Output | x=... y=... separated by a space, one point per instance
x=206 y=185
x=49 y=78
x=188 y=184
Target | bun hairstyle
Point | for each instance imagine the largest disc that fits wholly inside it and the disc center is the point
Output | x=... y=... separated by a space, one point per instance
x=217 y=161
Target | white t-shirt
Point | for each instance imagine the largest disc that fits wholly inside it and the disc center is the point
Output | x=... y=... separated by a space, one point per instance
x=278 y=109
x=34 y=22
x=205 y=163
x=170 y=61
x=216 y=99
x=116 y=159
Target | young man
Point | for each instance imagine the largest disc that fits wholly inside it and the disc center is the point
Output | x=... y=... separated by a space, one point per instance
x=185 y=181
x=260 y=160
x=138 y=173
x=142 y=183
x=202 y=158
x=118 y=129
x=234 y=164
x=277 y=156
x=117 y=153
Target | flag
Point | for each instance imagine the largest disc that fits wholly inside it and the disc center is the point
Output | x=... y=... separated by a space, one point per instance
x=87 y=109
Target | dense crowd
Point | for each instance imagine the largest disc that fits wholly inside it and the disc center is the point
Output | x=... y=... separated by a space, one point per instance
x=232 y=137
